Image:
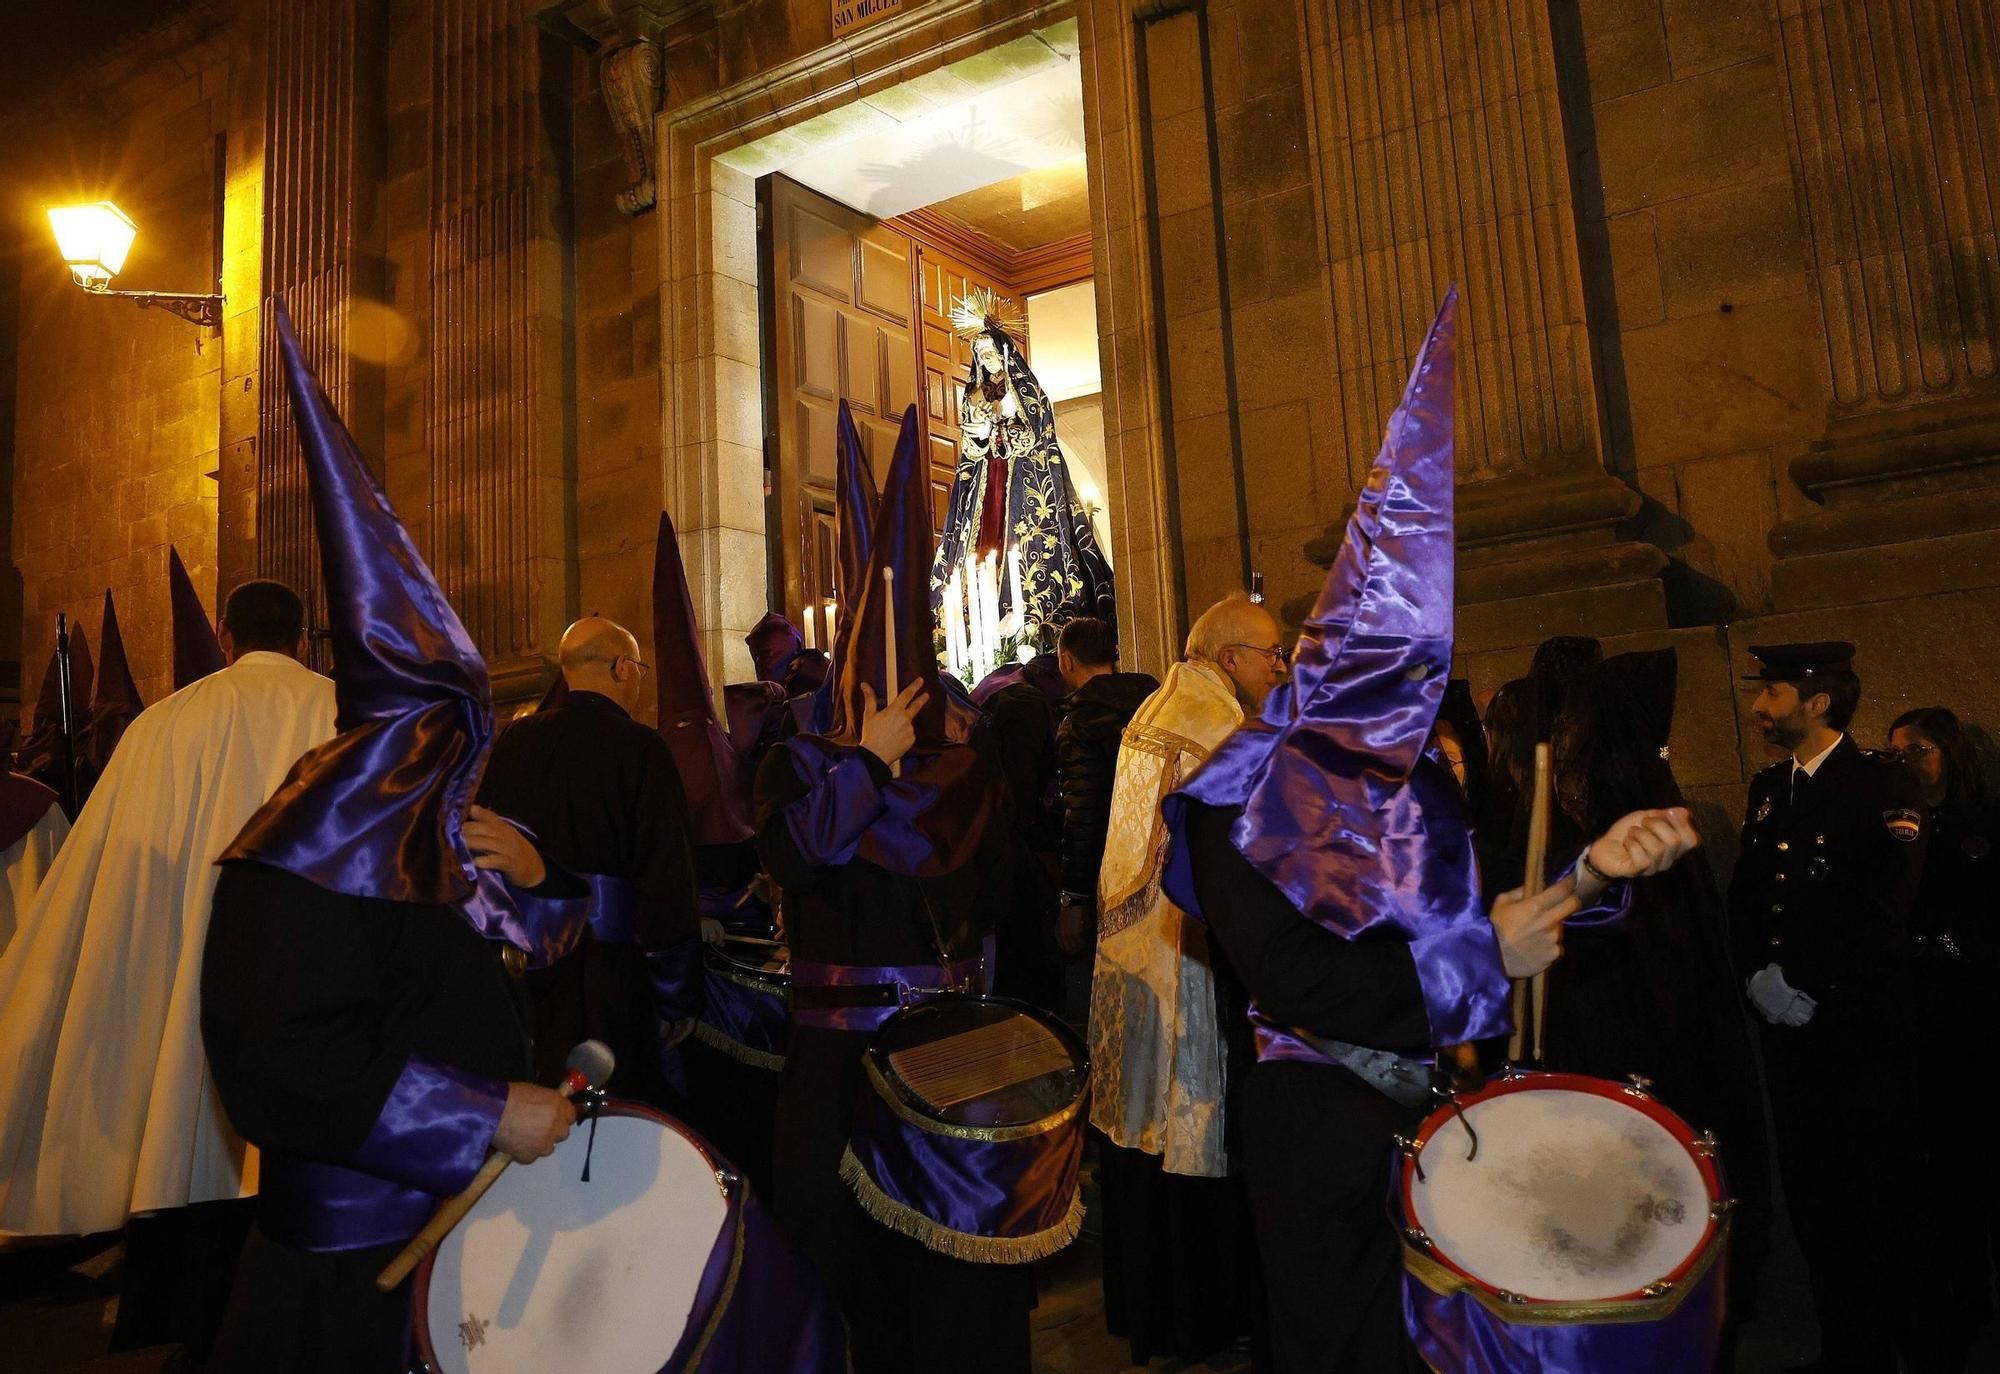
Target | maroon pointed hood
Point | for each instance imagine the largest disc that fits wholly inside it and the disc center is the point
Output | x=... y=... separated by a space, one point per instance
x=197 y=651
x=717 y=793
x=115 y=704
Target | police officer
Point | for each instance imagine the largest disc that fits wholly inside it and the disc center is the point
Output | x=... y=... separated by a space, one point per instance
x=1833 y=847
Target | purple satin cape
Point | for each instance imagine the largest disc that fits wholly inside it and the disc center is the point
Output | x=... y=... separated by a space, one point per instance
x=1339 y=807
x=926 y=822
x=377 y=810
x=1455 y=1332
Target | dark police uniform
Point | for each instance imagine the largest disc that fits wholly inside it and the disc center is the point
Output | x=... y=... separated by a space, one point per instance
x=1823 y=888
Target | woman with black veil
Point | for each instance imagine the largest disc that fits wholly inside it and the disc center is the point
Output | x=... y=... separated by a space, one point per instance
x=1656 y=996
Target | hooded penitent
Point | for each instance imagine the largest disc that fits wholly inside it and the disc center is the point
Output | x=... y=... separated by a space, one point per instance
x=854 y=503
x=40 y=753
x=937 y=808
x=1342 y=809
x=377 y=810
x=718 y=804
x=115 y=702
x=197 y=651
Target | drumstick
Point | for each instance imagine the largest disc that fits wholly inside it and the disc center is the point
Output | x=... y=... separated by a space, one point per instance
x=589 y=1066
x=1531 y=992
x=889 y=685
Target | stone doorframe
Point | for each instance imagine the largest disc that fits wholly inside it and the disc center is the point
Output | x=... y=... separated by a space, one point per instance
x=712 y=385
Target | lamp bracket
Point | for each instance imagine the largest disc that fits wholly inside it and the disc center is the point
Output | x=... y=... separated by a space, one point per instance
x=193 y=307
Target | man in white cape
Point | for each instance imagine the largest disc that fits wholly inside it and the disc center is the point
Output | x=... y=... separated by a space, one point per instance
x=1157 y=1051
x=106 y=1107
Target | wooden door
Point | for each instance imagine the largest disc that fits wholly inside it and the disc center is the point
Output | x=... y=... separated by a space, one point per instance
x=942 y=281
x=842 y=325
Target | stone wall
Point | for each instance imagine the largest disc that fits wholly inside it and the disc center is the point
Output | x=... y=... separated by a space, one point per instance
x=115 y=418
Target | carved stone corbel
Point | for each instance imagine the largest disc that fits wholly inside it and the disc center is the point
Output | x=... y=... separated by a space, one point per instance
x=632 y=72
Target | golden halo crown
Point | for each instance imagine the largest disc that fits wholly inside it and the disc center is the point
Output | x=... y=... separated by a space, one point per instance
x=983 y=308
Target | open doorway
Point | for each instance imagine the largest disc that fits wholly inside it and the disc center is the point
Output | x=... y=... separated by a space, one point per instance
x=868 y=247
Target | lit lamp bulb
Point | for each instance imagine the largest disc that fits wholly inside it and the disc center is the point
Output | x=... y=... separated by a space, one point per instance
x=93 y=240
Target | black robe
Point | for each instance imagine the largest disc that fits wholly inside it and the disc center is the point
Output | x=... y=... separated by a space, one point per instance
x=602 y=795
x=909 y=1309
x=1316 y=1140
x=312 y=1003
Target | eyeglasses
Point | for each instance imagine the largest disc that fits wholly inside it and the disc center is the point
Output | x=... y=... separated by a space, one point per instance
x=627 y=658
x=1278 y=654
x=1914 y=752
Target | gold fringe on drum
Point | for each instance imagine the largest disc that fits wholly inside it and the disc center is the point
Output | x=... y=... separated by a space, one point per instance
x=741 y=1053
x=906 y=1220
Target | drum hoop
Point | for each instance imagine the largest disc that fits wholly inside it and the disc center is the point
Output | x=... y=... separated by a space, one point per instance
x=420 y=1288
x=890 y=1088
x=1446 y=1279
x=1507 y=1084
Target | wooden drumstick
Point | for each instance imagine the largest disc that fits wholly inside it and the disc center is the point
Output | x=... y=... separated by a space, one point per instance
x=889 y=683
x=584 y=1071
x=1530 y=995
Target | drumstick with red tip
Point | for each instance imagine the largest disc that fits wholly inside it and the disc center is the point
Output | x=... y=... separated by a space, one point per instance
x=588 y=1067
x=1531 y=995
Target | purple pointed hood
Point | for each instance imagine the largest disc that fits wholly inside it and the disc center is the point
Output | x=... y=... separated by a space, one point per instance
x=377 y=811
x=1341 y=808
x=197 y=651
x=115 y=703
x=774 y=642
x=854 y=503
x=711 y=772
x=902 y=541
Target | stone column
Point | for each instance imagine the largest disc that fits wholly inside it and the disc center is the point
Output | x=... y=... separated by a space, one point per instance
x=1442 y=155
x=322 y=254
x=1894 y=115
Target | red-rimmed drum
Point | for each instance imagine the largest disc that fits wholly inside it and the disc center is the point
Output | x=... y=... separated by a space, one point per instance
x=555 y=1269
x=1585 y=1230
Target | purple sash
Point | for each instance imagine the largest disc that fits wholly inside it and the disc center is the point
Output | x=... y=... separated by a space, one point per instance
x=905 y=985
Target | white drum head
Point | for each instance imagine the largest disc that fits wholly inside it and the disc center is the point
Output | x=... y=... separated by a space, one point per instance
x=1574 y=1196
x=549 y=1273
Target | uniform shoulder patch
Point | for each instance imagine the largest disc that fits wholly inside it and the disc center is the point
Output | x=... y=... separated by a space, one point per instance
x=1904 y=824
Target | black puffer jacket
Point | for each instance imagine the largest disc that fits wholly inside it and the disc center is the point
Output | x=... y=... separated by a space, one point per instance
x=1086 y=760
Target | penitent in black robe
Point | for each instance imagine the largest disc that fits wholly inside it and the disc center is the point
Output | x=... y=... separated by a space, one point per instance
x=312 y=1005
x=909 y=1309
x=601 y=794
x=1316 y=1140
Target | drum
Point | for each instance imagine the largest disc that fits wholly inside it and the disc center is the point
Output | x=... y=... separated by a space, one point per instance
x=1553 y=1221
x=554 y=1269
x=969 y=1133
x=747 y=1000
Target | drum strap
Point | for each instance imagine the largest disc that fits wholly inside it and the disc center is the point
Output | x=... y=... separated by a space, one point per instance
x=860 y=997
x=1403 y=1080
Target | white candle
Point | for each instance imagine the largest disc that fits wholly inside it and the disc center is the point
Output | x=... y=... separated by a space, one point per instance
x=989 y=593
x=953 y=612
x=1014 y=583
x=828 y=611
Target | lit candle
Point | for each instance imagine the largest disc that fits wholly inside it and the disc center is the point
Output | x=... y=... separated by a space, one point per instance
x=828 y=611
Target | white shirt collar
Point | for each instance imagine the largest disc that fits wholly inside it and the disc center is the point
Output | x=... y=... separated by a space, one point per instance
x=1811 y=765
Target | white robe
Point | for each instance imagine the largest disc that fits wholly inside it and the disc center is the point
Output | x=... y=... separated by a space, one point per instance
x=23 y=865
x=1156 y=1045
x=106 y=1106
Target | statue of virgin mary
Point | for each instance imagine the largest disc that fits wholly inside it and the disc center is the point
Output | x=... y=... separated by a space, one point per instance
x=1012 y=490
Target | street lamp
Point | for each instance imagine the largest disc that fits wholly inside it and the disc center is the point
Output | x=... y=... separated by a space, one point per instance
x=94 y=240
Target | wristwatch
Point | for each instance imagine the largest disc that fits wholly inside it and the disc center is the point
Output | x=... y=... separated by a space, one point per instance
x=1583 y=862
